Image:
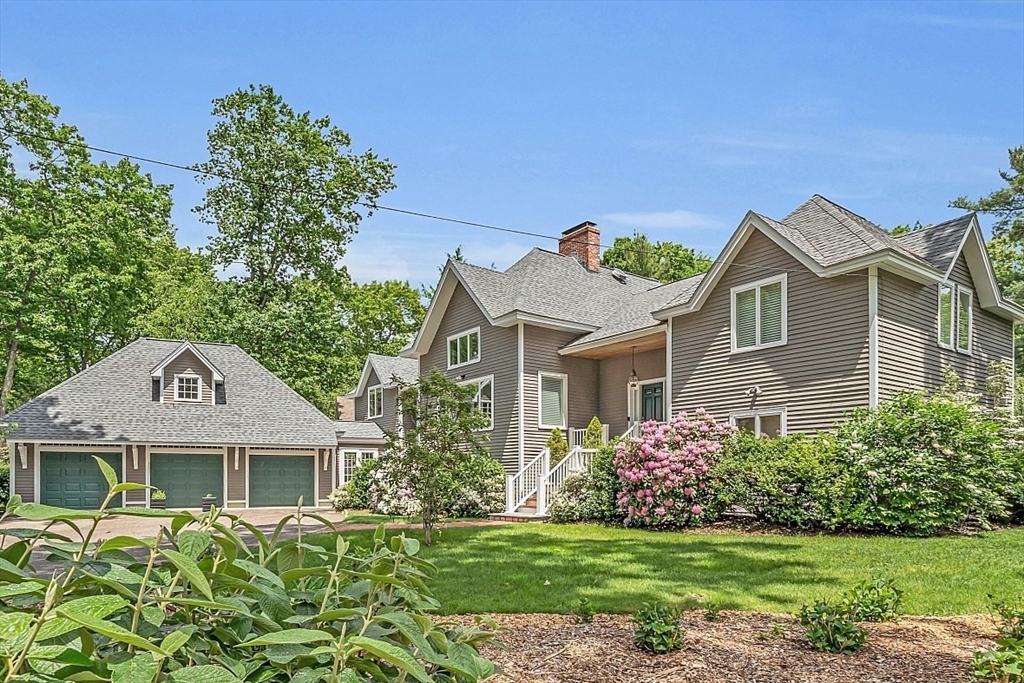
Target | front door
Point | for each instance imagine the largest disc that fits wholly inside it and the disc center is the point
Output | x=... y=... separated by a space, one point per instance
x=652 y=401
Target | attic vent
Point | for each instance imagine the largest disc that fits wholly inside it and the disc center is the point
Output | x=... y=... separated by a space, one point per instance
x=619 y=275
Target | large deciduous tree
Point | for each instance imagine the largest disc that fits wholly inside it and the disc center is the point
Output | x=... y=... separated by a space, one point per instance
x=76 y=238
x=285 y=191
x=664 y=261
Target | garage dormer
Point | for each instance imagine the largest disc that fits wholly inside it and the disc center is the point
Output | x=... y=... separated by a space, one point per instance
x=187 y=377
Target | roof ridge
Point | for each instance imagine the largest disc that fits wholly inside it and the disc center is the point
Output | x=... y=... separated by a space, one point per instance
x=826 y=205
x=925 y=228
x=816 y=255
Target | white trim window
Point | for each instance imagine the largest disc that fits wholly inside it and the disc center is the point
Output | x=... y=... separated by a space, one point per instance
x=758 y=314
x=956 y=322
x=375 y=402
x=464 y=348
x=769 y=422
x=483 y=399
x=188 y=388
x=964 y=318
x=947 y=316
x=552 y=400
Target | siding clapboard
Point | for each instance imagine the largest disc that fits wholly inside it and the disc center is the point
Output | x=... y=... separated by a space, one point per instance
x=388 y=420
x=540 y=354
x=818 y=375
x=909 y=352
x=498 y=357
x=188 y=363
x=237 y=485
x=614 y=388
x=135 y=474
x=324 y=476
x=25 y=477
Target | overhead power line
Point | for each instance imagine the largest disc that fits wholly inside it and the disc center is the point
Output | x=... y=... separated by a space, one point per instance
x=368 y=205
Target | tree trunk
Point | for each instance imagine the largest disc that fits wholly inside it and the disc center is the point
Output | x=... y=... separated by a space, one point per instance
x=428 y=523
x=12 y=359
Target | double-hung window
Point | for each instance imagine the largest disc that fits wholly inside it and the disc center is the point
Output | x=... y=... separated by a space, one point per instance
x=759 y=314
x=553 y=399
x=464 y=348
x=770 y=422
x=375 y=402
x=188 y=388
x=956 y=318
x=483 y=399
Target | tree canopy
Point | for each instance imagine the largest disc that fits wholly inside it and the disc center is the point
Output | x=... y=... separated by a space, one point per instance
x=286 y=196
x=1006 y=203
x=663 y=261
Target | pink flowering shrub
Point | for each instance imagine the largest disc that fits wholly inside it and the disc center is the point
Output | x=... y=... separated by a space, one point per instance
x=663 y=473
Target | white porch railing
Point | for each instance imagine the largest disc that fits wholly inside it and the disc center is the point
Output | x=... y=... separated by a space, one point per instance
x=579 y=459
x=634 y=430
x=519 y=487
x=576 y=436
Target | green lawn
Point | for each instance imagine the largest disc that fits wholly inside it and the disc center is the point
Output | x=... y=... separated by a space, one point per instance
x=547 y=568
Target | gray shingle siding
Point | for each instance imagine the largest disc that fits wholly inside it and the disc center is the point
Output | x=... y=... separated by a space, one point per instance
x=188 y=363
x=498 y=357
x=909 y=353
x=819 y=375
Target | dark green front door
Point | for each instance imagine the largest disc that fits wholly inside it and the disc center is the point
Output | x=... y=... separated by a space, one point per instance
x=74 y=480
x=279 y=480
x=652 y=401
x=187 y=477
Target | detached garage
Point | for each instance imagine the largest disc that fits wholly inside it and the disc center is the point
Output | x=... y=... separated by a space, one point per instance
x=190 y=419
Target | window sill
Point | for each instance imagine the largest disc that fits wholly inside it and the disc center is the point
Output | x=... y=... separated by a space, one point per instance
x=745 y=349
x=965 y=352
x=550 y=427
x=462 y=365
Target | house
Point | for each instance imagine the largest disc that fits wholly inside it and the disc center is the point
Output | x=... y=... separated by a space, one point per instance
x=188 y=418
x=799 y=321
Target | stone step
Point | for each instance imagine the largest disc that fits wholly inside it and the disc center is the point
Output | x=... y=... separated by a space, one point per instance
x=516 y=517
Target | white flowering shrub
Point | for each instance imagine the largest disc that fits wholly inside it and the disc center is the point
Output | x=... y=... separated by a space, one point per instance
x=389 y=493
x=920 y=465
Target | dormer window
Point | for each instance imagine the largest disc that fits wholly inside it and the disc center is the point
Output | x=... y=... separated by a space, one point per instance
x=188 y=388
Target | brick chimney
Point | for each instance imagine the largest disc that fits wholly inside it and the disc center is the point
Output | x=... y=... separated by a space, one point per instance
x=582 y=242
x=346 y=408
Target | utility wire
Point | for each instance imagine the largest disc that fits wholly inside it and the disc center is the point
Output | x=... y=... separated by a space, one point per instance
x=368 y=205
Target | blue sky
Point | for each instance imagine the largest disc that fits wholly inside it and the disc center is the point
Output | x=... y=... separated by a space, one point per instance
x=674 y=119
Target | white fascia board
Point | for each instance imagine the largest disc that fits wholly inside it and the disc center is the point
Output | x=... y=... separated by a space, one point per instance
x=364 y=377
x=889 y=260
x=739 y=238
x=513 y=318
x=435 y=312
x=985 y=284
x=187 y=346
x=615 y=339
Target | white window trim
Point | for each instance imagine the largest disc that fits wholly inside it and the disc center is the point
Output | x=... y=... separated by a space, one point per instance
x=970 y=320
x=465 y=333
x=952 y=315
x=565 y=400
x=480 y=380
x=757 y=413
x=189 y=375
x=369 y=402
x=746 y=287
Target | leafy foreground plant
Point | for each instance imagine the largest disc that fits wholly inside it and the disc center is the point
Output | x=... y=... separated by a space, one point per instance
x=877 y=599
x=196 y=605
x=657 y=628
x=1005 y=664
x=829 y=628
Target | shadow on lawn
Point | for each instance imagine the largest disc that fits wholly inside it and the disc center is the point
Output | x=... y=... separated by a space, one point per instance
x=538 y=569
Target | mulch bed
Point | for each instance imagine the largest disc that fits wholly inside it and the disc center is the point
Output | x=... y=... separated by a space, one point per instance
x=549 y=648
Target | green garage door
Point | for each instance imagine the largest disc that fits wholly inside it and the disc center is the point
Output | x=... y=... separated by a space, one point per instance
x=74 y=480
x=187 y=477
x=279 y=480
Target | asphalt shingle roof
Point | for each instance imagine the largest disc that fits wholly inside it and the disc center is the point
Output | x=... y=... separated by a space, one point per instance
x=389 y=369
x=551 y=285
x=355 y=431
x=112 y=401
x=938 y=244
